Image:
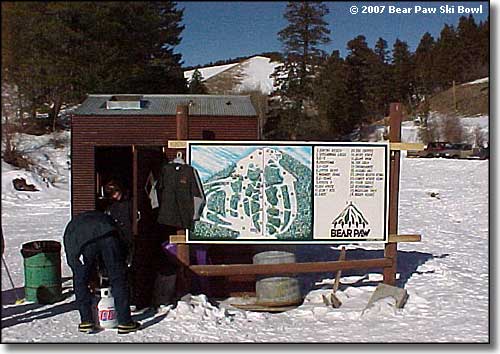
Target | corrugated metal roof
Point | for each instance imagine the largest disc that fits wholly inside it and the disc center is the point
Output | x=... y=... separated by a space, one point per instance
x=199 y=105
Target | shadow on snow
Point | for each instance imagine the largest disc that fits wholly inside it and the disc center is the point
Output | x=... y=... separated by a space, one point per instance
x=407 y=264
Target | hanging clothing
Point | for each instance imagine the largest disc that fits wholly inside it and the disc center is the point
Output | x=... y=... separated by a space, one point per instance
x=181 y=195
x=151 y=192
x=153 y=196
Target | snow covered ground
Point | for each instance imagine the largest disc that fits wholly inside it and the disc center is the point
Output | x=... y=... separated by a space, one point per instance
x=410 y=134
x=49 y=155
x=446 y=275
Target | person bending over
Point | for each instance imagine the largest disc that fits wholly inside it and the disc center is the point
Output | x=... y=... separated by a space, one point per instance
x=87 y=237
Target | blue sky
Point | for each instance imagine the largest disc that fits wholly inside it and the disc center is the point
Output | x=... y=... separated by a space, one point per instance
x=227 y=29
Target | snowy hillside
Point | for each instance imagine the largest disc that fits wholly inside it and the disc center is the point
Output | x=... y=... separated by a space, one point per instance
x=210 y=71
x=248 y=75
x=256 y=75
x=446 y=275
x=479 y=81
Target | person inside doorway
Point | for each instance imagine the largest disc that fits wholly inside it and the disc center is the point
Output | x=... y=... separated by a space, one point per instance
x=120 y=209
x=120 y=206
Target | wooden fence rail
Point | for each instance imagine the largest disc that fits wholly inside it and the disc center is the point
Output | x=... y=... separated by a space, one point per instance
x=288 y=268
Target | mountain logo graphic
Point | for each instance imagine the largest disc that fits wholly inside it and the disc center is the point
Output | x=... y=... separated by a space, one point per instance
x=350 y=223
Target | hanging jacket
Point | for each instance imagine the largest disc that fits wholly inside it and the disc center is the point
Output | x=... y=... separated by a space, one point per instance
x=181 y=195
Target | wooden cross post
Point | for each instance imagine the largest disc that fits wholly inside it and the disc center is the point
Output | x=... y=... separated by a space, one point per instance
x=391 y=248
x=183 y=252
x=183 y=274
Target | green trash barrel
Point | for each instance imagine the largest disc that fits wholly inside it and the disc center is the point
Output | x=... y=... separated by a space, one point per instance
x=42 y=271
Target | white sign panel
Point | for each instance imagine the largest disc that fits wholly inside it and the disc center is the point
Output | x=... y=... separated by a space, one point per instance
x=350 y=192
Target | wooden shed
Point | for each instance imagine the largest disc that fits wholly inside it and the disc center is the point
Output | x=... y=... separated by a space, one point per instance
x=128 y=135
x=125 y=137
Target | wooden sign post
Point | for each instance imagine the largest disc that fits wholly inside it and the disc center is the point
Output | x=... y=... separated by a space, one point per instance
x=388 y=263
x=391 y=248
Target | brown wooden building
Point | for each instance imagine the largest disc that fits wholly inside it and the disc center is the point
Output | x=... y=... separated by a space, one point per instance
x=121 y=134
x=125 y=137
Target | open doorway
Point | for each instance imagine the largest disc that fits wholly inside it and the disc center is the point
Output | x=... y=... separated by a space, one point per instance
x=113 y=163
x=149 y=161
x=137 y=168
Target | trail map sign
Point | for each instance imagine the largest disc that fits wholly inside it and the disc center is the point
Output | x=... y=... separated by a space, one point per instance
x=285 y=192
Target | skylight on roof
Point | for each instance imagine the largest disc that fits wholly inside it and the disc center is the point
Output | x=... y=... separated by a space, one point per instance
x=124 y=102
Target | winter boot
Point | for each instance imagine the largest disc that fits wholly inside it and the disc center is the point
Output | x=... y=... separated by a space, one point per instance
x=128 y=328
x=87 y=327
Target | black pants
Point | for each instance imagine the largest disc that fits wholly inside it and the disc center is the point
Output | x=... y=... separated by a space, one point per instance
x=112 y=254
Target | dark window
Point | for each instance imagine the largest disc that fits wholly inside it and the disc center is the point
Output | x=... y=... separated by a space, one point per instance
x=208 y=135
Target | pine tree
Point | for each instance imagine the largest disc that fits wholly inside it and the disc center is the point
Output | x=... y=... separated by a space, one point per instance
x=196 y=85
x=424 y=65
x=361 y=81
x=382 y=90
x=302 y=37
x=468 y=49
x=403 y=72
x=56 y=52
x=484 y=48
x=332 y=99
x=39 y=47
x=445 y=64
x=142 y=41
x=382 y=51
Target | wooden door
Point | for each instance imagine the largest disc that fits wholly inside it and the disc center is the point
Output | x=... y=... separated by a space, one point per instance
x=147 y=163
x=149 y=160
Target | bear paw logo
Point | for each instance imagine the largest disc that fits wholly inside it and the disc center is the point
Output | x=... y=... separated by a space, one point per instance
x=350 y=223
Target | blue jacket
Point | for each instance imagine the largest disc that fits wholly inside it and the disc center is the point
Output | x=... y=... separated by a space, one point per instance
x=85 y=228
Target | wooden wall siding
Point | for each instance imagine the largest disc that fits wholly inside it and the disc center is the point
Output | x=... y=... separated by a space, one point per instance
x=155 y=130
x=225 y=128
x=90 y=131
x=82 y=178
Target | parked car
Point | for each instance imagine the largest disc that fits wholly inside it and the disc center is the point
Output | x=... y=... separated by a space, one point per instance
x=412 y=153
x=481 y=153
x=458 y=151
x=433 y=149
x=484 y=153
x=450 y=150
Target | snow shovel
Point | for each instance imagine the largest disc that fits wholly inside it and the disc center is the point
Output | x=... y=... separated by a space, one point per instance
x=18 y=299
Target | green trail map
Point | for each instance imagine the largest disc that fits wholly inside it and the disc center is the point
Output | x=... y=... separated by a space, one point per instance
x=258 y=193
